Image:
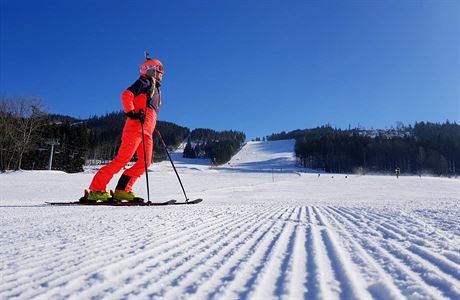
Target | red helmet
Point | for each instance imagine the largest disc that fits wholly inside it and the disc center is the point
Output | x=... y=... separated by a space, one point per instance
x=151 y=66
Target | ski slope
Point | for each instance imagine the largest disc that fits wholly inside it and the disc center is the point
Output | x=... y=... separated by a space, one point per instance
x=259 y=234
x=265 y=155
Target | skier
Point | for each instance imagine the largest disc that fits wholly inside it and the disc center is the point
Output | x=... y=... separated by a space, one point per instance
x=397 y=172
x=141 y=102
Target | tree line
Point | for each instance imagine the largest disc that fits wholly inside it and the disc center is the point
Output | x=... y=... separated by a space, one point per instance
x=218 y=146
x=423 y=148
x=28 y=135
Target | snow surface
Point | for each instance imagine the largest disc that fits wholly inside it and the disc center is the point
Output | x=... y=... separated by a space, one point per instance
x=264 y=231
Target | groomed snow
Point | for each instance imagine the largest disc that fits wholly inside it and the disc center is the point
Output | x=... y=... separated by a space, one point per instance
x=264 y=231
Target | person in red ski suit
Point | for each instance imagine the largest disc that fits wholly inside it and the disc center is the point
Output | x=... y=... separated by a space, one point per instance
x=141 y=102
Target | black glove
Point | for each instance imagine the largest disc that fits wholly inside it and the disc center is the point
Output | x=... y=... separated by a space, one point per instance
x=136 y=115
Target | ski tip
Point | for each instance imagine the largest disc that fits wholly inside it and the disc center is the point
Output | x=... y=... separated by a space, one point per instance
x=195 y=201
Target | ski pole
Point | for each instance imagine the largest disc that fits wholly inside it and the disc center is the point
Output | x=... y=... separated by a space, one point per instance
x=145 y=155
x=169 y=156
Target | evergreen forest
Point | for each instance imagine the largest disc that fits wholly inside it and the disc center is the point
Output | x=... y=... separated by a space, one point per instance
x=425 y=148
x=218 y=146
x=31 y=139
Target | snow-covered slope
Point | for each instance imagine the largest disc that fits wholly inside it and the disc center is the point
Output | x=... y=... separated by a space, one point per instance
x=265 y=155
x=257 y=235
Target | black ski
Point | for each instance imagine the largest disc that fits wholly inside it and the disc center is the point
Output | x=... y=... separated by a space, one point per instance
x=112 y=203
x=196 y=201
x=169 y=202
x=84 y=202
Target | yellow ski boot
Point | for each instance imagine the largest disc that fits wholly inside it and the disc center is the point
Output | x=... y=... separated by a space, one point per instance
x=98 y=196
x=125 y=196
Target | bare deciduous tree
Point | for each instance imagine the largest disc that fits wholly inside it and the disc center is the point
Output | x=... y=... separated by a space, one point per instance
x=20 y=119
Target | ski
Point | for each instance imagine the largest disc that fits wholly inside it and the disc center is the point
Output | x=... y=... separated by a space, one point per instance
x=112 y=203
x=196 y=201
x=169 y=202
x=83 y=202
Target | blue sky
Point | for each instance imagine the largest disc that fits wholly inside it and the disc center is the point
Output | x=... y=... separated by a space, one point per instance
x=256 y=66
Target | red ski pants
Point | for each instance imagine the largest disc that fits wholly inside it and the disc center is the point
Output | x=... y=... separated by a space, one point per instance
x=131 y=142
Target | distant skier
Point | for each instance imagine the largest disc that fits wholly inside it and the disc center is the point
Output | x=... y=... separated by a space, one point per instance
x=141 y=102
x=397 y=172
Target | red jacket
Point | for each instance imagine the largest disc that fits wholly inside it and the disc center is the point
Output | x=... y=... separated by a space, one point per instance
x=142 y=94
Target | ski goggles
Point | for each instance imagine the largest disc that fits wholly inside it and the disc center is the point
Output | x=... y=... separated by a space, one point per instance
x=156 y=69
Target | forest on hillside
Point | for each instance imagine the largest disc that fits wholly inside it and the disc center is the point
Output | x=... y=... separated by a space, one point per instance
x=423 y=148
x=218 y=146
x=31 y=139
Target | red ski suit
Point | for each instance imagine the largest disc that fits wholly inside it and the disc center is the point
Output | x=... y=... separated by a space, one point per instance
x=145 y=95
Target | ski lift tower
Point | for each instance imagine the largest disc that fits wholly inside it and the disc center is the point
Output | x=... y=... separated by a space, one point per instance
x=51 y=142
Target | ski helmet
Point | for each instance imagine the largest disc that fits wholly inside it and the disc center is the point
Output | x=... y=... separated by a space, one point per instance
x=151 y=65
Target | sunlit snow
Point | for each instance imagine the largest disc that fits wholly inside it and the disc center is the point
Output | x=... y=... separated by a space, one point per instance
x=265 y=230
